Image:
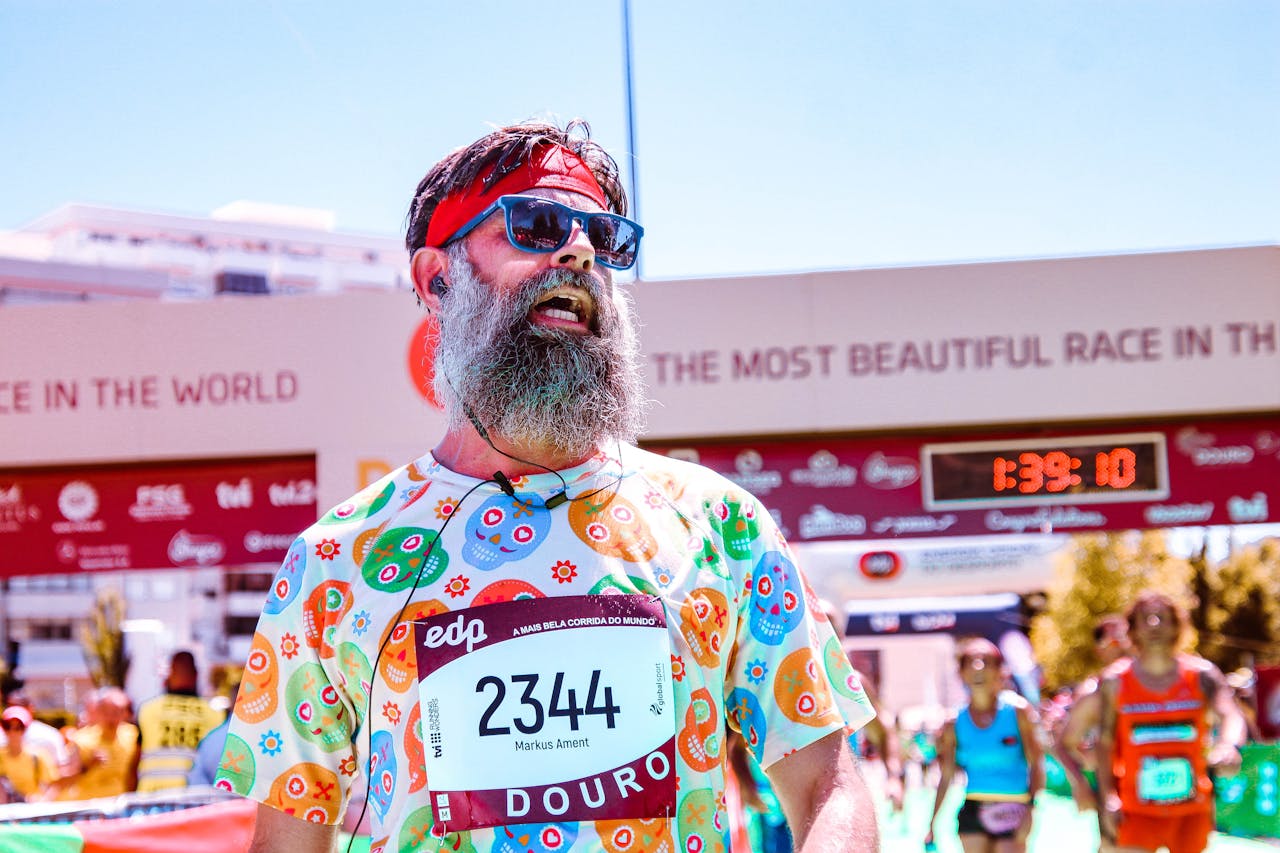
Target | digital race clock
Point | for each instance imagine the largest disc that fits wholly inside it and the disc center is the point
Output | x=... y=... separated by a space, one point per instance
x=1037 y=471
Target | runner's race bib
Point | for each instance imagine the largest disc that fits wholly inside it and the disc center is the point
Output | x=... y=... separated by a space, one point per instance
x=1165 y=780
x=548 y=709
x=1001 y=818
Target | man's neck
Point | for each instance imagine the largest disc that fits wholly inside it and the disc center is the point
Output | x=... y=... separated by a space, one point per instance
x=982 y=699
x=464 y=451
x=1157 y=662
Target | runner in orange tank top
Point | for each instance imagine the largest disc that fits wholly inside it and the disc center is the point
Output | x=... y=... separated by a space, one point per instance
x=1156 y=746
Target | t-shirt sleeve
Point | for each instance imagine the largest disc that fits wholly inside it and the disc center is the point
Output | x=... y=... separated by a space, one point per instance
x=290 y=740
x=789 y=682
x=46 y=770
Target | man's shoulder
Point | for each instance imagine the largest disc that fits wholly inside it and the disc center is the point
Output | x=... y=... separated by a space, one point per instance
x=388 y=494
x=1014 y=699
x=1195 y=663
x=375 y=497
x=1115 y=670
x=684 y=478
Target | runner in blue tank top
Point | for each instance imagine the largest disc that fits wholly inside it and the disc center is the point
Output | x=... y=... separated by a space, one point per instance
x=994 y=741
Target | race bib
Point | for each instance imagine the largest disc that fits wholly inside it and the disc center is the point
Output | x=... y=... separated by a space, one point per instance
x=1165 y=780
x=548 y=709
x=1002 y=818
x=1164 y=733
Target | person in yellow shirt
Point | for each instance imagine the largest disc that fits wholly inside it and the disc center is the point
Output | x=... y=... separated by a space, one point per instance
x=28 y=771
x=172 y=726
x=108 y=750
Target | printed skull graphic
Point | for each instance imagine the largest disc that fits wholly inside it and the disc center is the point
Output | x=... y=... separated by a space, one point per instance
x=260 y=685
x=507 y=589
x=308 y=792
x=398 y=663
x=708 y=557
x=421 y=832
x=363 y=544
x=699 y=740
x=382 y=773
x=315 y=709
x=503 y=529
x=840 y=673
x=323 y=610
x=236 y=769
x=748 y=717
x=635 y=835
x=733 y=517
x=611 y=525
x=360 y=507
x=801 y=691
x=704 y=827
x=288 y=580
x=356 y=678
x=402 y=556
x=777 y=599
x=534 y=838
x=704 y=622
x=415 y=752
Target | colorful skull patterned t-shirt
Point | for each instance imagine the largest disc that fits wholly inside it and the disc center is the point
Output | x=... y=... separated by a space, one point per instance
x=330 y=690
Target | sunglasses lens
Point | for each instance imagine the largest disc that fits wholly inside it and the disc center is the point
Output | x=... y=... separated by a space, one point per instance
x=614 y=240
x=539 y=226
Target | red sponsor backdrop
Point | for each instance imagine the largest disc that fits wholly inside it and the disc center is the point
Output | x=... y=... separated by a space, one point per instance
x=153 y=515
x=1216 y=472
x=1268 y=695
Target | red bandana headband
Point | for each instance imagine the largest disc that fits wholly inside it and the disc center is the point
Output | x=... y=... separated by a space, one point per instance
x=551 y=166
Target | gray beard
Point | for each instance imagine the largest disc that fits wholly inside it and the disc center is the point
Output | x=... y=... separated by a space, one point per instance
x=537 y=387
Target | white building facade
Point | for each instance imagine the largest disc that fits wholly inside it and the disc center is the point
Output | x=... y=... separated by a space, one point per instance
x=173 y=445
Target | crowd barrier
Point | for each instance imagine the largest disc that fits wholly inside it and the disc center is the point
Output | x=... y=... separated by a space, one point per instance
x=129 y=825
x=1248 y=803
x=192 y=820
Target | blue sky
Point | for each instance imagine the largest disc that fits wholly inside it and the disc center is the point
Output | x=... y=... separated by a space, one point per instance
x=770 y=136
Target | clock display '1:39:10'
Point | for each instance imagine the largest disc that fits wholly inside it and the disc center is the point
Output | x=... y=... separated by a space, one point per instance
x=1058 y=471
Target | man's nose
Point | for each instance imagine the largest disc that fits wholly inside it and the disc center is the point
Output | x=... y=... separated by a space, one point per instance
x=577 y=253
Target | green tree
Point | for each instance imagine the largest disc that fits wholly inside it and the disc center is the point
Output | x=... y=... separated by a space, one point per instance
x=102 y=640
x=1100 y=574
x=1242 y=617
x=1202 y=589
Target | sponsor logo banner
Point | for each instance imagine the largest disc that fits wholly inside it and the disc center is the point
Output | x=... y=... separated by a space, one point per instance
x=153 y=515
x=1217 y=472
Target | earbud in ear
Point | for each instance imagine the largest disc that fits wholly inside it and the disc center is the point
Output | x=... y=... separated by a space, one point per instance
x=438 y=286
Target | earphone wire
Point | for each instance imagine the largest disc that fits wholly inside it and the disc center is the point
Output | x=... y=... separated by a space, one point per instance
x=557 y=499
x=368 y=714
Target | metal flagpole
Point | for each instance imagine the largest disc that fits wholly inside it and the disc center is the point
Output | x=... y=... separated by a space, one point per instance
x=631 y=127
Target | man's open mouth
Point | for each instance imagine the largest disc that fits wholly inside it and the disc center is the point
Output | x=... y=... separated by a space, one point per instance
x=564 y=305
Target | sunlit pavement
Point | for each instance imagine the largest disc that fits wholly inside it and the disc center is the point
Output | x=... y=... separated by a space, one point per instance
x=1058 y=828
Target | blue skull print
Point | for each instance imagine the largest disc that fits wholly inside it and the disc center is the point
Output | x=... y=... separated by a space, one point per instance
x=288 y=580
x=777 y=599
x=505 y=528
x=382 y=772
x=534 y=838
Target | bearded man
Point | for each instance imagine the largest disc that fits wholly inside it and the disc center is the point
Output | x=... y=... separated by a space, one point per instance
x=533 y=636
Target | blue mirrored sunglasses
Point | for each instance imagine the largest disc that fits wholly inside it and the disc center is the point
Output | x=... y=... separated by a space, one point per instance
x=540 y=225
